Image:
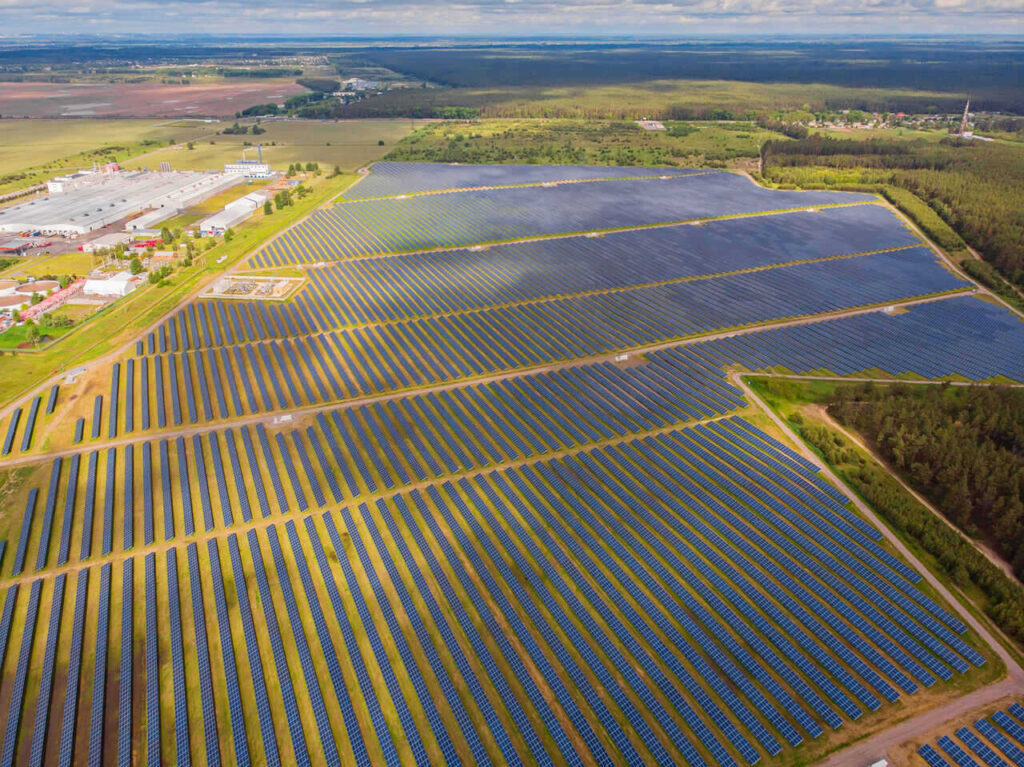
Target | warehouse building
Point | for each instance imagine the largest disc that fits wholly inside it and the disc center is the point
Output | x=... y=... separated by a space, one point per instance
x=233 y=214
x=107 y=241
x=117 y=286
x=96 y=200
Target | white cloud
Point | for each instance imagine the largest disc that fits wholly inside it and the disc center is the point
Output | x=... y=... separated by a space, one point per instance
x=502 y=17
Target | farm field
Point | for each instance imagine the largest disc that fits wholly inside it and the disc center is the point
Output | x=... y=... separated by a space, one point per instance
x=31 y=143
x=654 y=97
x=348 y=144
x=499 y=505
x=147 y=99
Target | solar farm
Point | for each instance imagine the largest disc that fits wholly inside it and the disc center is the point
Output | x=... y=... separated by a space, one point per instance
x=485 y=488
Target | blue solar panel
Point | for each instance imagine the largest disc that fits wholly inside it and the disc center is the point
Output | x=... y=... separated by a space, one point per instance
x=369 y=696
x=90 y=507
x=153 y=633
x=184 y=487
x=988 y=756
x=51 y=401
x=97 y=415
x=228 y=664
x=263 y=711
x=183 y=753
x=12 y=429
x=125 y=708
x=98 y=699
x=51 y=504
x=298 y=736
x=115 y=398
x=440 y=622
x=147 y=494
x=10 y=744
x=69 y=718
x=958 y=755
x=1000 y=741
x=932 y=757
x=283 y=582
x=45 y=684
x=165 y=490
x=10 y=601
x=242 y=479
x=26 y=528
x=108 y=502
x=638 y=621
x=30 y=424
x=411 y=671
x=129 y=498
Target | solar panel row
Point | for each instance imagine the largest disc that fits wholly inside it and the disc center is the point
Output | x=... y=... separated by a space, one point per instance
x=638 y=592
x=997 y=741
x=421 y=351
x=388 y=288
x=390 y=178
x=427 y=222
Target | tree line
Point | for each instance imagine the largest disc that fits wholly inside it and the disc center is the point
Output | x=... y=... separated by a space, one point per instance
x=976 y=187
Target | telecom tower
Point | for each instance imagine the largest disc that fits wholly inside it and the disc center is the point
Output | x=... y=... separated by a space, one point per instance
x=963 y=123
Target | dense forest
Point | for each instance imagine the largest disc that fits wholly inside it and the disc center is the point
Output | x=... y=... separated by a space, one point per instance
x=990 y=72
x=961 y=447
x=977 y=187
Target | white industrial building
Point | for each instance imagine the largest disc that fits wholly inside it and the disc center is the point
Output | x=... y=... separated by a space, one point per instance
x=96 y=200
x=249 y=169
x=359 y=84
x=110 y=240
x=121 y=284
x=233 y=214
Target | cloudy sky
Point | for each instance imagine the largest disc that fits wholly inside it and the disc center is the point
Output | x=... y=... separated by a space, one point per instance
x=513 y=17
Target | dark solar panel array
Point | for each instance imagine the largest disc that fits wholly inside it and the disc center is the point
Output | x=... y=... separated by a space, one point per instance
x=996 y=741
x=72 y=681
x=97 y=710
x=426 y=222
x=30 y=424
